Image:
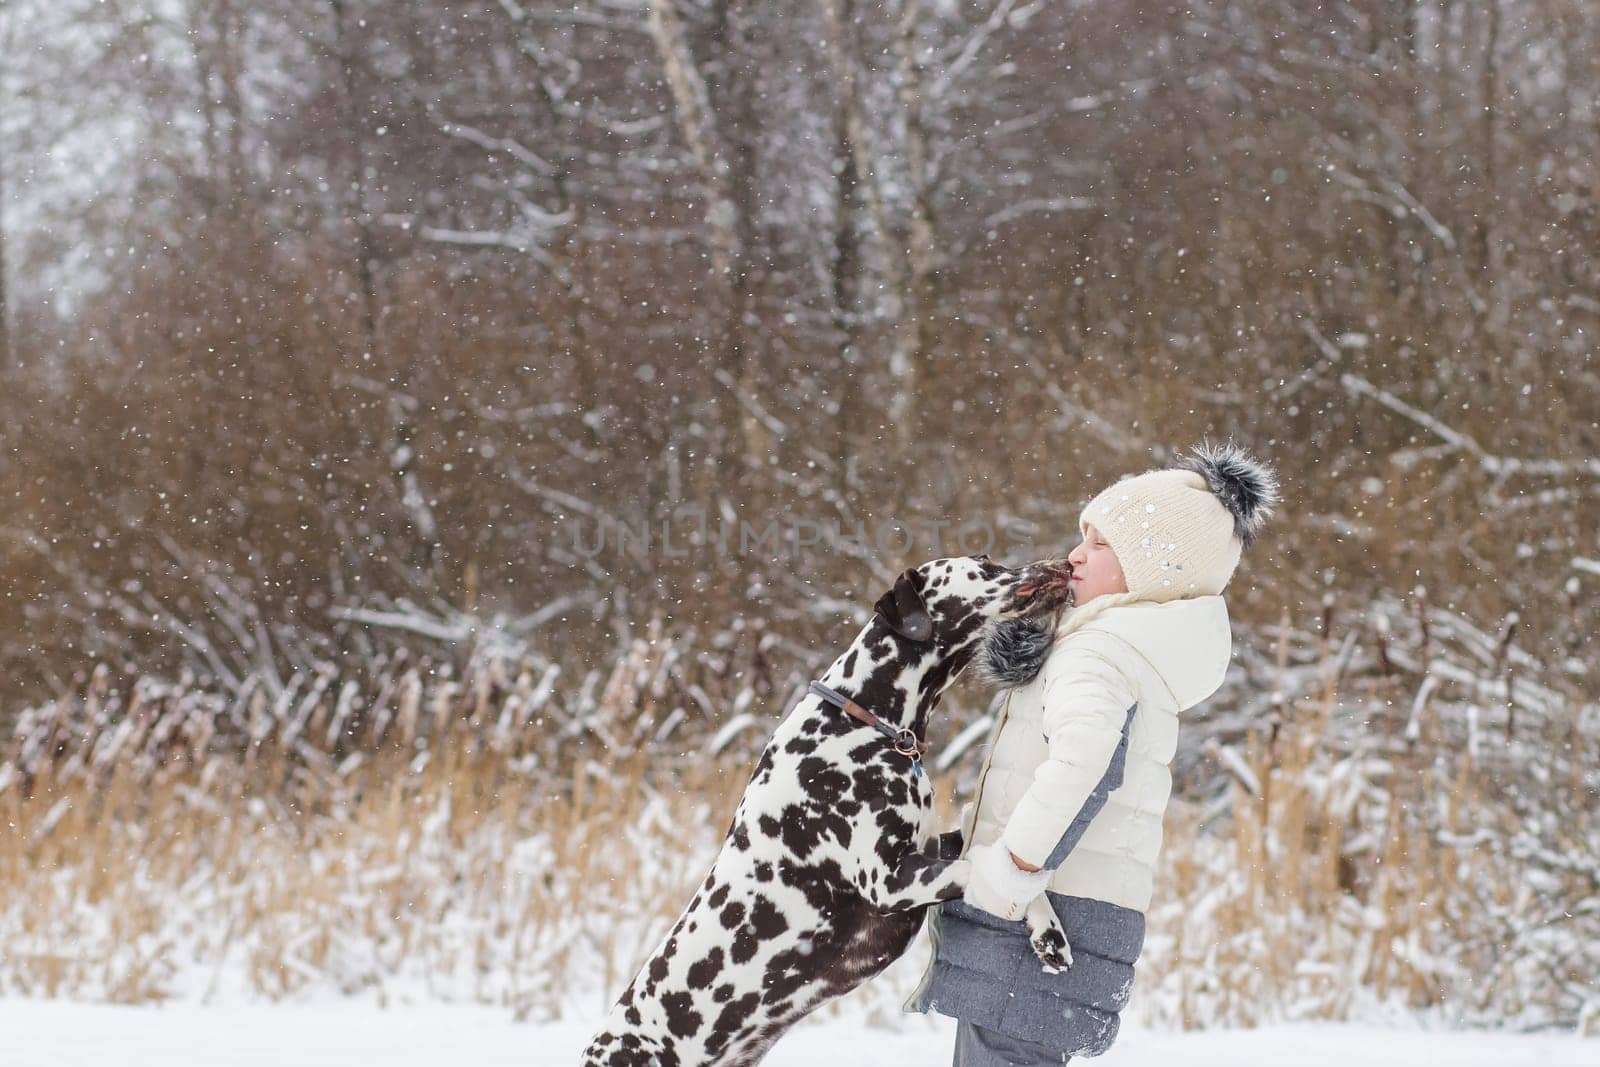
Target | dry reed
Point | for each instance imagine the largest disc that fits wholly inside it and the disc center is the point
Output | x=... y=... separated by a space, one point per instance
x=1359 y=847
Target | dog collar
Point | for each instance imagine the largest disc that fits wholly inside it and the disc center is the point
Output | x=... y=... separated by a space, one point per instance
x=905 y=741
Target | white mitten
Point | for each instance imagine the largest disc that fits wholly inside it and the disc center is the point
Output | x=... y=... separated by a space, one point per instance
x=998 y=886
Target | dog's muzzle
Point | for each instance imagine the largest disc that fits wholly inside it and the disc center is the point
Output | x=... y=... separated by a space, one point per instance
x=1045 y=586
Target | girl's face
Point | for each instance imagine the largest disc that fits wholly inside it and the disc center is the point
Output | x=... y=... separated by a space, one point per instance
x=1095 y=569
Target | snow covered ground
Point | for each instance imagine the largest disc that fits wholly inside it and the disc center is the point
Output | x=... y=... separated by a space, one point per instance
x=39 y=1033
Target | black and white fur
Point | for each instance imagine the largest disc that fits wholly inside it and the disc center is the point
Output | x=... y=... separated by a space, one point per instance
x=830 y=860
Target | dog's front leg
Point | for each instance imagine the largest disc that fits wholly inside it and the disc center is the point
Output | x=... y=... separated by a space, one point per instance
x=919 y=880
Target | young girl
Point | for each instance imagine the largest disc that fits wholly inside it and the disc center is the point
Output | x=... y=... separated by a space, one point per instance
x=1071 y=795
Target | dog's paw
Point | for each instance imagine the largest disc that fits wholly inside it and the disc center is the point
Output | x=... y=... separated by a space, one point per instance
x=1051 y=947
x=1046 y=936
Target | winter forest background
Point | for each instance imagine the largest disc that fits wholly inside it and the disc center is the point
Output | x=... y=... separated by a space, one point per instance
x=440 y=439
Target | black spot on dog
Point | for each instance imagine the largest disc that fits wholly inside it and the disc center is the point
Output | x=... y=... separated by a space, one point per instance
x=800 y=746
x=658 y=970
x=826 y=785
x=728 y=1020
x=745 y=944
x=702 y=973
x=763 y=770
x=682 y=1019
x=804 y=828
x=766 y=919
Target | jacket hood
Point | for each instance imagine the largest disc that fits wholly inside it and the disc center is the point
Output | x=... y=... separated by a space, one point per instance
x=1187 y=642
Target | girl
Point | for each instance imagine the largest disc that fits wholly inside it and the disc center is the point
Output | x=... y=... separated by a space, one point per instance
x=1071 y=795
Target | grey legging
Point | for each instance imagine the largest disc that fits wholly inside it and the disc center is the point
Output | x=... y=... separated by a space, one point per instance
x=979 y=1047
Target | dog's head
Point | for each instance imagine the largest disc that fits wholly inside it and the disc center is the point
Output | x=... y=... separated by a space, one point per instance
x=944 y=603
x=925 y=630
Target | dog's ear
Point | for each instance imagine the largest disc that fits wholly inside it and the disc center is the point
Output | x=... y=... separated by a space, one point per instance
x=902 y=608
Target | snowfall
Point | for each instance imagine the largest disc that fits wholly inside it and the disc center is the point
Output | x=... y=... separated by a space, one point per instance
x=55 y=1033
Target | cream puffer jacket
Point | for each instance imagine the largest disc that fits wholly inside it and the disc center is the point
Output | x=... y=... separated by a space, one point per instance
x=1073 y=781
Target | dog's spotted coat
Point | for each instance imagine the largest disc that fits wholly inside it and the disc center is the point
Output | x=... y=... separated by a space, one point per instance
x=826 y=870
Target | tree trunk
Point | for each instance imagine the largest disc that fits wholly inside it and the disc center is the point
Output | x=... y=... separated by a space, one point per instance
x=742 y=128
x=919 y=298
x=846 y=266
x=567 y=268
x=5 y=302
x=400 y=404
x=725 y=165
x=1489 y=273
x=361 y=217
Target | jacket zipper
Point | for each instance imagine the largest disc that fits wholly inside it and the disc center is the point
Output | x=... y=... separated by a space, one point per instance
x=983 y=776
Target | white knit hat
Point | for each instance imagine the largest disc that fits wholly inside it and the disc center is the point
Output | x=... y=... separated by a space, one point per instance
x=1179 y=532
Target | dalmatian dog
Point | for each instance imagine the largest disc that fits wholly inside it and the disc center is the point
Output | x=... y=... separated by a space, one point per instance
x=831 y=858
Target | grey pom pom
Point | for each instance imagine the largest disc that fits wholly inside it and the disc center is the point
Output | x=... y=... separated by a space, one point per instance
x=1247 y=487
x=1013 y=651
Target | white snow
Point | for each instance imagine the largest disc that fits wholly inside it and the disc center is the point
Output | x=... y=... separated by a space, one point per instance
x=54 y=1033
